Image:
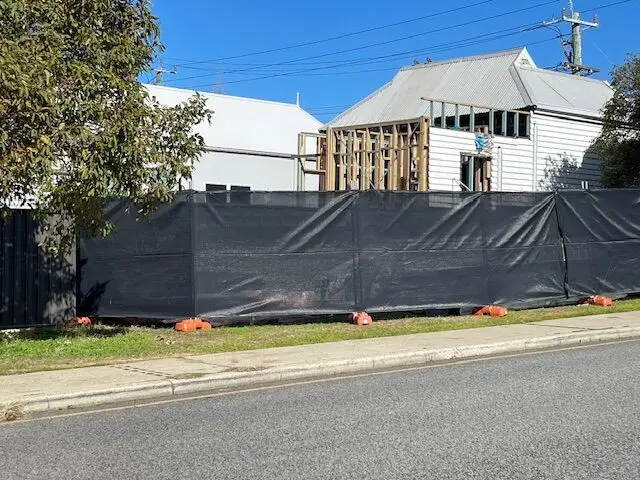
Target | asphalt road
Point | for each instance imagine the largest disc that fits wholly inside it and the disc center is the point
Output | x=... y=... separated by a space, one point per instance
x=560 y=415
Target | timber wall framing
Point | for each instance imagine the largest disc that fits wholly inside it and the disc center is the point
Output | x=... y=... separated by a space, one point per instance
x=382 y=156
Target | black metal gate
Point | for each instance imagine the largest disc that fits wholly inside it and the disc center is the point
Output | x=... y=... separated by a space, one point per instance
x=36 y=288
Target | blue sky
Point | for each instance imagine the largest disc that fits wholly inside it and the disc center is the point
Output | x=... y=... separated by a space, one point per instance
x=208 y=32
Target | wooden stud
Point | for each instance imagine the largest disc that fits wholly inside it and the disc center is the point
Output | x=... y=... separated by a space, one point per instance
x=351 y=138
x=379 y=169
x=344 y=157
x=391 y=175
x=423 y=170
x=400 y=164
x=331 y=159
x=406 y=167
x=365 y=170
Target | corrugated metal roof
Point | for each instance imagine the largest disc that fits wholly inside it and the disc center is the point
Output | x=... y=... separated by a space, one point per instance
x=465 y=80
x=565 y=93
x=245 y=123
x=508 y=80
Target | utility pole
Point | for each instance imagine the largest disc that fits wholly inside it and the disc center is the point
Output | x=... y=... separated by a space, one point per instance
x=574 y=62
x=218 y=87
x=160 y=71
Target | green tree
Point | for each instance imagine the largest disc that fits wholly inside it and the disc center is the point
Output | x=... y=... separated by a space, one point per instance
x=618 y=145
x=76 y=125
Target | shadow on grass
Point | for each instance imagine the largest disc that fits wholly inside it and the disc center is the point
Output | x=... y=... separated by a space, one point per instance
x=338 y=318
x=53 y=333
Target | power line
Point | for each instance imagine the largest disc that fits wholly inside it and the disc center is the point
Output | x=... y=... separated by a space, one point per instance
x=602 y=7
x=339 y=37
x=447 y=47
x=396 y=56
x=477 y=39
x=328 y=62
x=387 y=42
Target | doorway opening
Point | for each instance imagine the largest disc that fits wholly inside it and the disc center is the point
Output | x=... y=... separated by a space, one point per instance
x=475 y=173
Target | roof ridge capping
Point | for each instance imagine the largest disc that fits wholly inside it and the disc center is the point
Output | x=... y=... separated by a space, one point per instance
x=518 y=52
x=545 y=71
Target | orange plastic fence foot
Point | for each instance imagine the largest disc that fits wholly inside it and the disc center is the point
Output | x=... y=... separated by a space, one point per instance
x=78 y=321
x=186 y=326
x=491 y=311
x=191 y=325
x=597 y=300
x=361 y=318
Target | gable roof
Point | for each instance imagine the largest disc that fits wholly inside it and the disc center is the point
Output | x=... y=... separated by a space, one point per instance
x=279 y=123
x=508 y=79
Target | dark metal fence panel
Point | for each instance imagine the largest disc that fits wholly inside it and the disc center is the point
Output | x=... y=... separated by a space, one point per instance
x=36 y=288
x=230 y=257
x=144 y=269
x=233 y=256
x=601 y=230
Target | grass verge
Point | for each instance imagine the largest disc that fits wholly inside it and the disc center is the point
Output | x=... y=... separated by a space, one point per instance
x=52 y=348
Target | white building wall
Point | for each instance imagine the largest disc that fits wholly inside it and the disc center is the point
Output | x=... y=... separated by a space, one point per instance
x=247 y=125
x=515 y=156
x=562 y=148
x=447 y=146
x=264 y=173
x=565 y=155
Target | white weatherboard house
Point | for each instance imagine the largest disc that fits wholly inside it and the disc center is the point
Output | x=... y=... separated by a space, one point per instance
x=250 y=143
x=498 y=115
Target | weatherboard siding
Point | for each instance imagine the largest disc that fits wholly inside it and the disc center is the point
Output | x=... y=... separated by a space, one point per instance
x=517 y=164
x=565 y=155
x=446 y=146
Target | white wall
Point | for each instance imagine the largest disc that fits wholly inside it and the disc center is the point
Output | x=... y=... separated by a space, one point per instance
x=258 y=172
x=446 y=147
x=565 y=156
x=247 y=124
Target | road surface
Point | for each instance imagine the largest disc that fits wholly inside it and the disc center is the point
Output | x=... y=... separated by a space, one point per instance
x=556 y=415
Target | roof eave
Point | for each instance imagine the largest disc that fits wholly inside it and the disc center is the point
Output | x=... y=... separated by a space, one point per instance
x=579 y=114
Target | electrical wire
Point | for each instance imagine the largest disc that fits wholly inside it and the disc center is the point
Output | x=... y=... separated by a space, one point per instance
x=327 y=62
x=483 y=38
x=387 y=42
x=380 y=59
x=339 y=37
x=602 y=7
x=469 y=42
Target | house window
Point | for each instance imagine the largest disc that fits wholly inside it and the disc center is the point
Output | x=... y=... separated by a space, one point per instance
x=214 y=187
x=481 y=120
x=469 y=118
x=511 y=124
x=523 y=125
x=240 y=194
x=475 y=173
x=498 y=123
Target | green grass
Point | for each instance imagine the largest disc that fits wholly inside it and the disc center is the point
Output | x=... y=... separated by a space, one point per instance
x=57 y=348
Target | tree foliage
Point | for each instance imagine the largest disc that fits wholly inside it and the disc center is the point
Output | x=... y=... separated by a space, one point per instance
x=618 y=145
x=76 y=125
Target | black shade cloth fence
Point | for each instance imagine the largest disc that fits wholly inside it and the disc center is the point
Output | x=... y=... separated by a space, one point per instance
x=230 y=257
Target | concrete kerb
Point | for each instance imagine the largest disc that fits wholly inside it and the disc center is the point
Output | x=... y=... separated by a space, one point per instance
x=237 y=380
